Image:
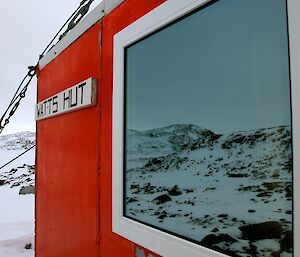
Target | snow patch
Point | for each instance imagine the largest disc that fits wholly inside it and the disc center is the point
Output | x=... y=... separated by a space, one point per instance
x=17 y=211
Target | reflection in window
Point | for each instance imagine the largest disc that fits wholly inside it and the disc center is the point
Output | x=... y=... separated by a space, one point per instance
x=208 y=129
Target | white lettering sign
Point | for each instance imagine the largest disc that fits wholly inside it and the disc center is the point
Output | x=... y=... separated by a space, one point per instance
x=76 y=97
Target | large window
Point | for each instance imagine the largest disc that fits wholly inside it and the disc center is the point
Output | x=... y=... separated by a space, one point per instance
x=204 y=130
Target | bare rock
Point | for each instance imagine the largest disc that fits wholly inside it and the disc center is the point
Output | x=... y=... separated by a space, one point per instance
x=265 y=230
x=27 y=190
x=212 y=239
x=174 y=191
x=162 y=199
x=286 y=243
x=28 y=246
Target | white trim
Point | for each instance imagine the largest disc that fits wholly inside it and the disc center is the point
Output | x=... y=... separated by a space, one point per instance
x=157 y=241
x=109 y=5
x=94 y=16
x=294 y=38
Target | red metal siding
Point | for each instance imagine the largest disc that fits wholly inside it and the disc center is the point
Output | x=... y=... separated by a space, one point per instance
x=74 y=150
x=67 y=199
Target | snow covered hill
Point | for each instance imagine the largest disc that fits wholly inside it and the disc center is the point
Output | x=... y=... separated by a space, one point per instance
x=231 y=192
x=16 y=195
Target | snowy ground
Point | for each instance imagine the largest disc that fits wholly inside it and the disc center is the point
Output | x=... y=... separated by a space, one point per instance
x=231 y=192
x=17 y=210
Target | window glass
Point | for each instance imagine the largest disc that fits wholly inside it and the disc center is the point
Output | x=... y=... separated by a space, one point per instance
x=208 y=150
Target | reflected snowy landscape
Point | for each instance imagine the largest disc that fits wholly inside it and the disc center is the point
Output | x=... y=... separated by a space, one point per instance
x=231 y=192
x=221 y=175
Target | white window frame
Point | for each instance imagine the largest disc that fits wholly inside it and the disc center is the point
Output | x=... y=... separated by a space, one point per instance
x=153 y=239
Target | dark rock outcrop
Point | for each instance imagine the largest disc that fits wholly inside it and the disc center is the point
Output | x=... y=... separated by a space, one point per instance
x=213 y=239
x=265 y=230
x=286 y=243
x=27 y=190
x=174 y=191
x=162 y=199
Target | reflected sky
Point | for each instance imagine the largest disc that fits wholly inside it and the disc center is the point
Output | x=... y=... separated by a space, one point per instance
x=224 y=68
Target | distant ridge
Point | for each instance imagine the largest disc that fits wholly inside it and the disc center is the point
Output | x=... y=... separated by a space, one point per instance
x=17 y=141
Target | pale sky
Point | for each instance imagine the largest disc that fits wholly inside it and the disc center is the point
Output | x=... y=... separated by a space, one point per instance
x=26 y=29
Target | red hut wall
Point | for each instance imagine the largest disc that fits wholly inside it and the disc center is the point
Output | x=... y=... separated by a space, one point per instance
x=74 y=150
x=67 y=199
